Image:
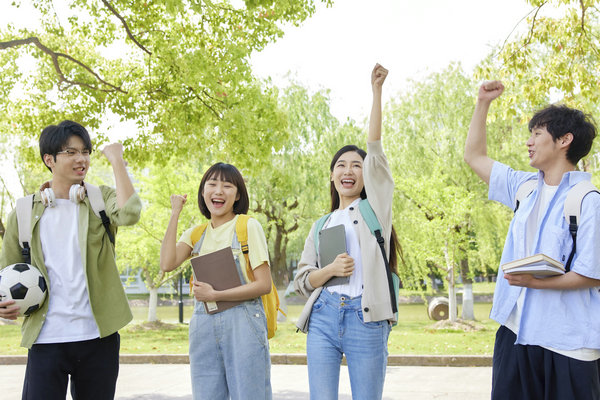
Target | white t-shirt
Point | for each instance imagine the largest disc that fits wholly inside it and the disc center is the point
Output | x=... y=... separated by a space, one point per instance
x=355 y=286
x=69 y=317
x=533 y=222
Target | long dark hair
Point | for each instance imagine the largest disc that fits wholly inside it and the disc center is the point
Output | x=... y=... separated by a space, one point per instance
x=395 y=248
x=226 y=173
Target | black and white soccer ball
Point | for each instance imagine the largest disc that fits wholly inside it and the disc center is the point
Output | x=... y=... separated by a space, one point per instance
x=24 y=284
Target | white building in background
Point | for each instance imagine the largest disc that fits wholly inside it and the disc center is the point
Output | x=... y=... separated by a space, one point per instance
x=134 y=284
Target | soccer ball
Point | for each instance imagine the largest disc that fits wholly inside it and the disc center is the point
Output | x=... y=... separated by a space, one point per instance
x=24 y=284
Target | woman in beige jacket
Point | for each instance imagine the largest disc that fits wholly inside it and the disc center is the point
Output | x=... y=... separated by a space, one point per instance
x=352 y=318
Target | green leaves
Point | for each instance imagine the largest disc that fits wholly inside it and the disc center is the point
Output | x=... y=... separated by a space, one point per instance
x=178 y=70
x=440 y=207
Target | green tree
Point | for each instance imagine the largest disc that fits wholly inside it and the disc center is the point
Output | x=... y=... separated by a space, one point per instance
x=178 y=70
x=293 y=190
x=138 y=247
x=440 y=202
x=555 y=60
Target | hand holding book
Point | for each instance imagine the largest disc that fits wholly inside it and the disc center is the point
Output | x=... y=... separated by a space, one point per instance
x=215 y=271
x=537 y=265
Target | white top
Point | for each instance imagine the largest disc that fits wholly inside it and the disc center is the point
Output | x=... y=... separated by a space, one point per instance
x=355 y=286
x=533 y=222
x=69 y=317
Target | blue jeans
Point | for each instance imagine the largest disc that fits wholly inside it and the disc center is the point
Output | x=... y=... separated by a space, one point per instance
x=229 y=353
x=337 y=327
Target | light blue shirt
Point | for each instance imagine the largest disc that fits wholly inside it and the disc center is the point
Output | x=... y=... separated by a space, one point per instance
x=561 y=319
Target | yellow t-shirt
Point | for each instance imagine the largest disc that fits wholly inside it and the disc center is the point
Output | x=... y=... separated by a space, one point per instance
x=222 y=236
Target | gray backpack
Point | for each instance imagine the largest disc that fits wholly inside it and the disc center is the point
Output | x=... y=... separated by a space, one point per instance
x=25 y=205
x=572 y=207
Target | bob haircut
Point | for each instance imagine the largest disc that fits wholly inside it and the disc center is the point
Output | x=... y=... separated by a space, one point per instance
x=226 y=173
x=54 y=138
x=560 y=120
x=395 y=248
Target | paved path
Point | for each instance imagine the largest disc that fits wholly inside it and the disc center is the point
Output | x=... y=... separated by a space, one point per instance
x=290 y=382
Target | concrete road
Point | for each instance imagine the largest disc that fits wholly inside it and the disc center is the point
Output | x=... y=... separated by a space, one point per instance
x=290 y=382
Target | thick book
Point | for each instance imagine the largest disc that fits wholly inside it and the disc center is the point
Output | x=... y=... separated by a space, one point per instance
x=332 y=243
x=219 y=270
x=537 y=264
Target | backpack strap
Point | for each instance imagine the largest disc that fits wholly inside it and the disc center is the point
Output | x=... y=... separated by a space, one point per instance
x=24 y=209
x=524 y=191
x=94 y=195
x=572 y=212
x=197 y=237
x=318 y=227
x=241 y=231
x=375 y=227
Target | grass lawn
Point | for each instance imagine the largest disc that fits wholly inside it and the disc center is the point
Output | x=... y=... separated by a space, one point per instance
x=414 y=334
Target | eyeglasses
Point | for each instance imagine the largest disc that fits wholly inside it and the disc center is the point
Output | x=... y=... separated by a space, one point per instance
x=70 y=152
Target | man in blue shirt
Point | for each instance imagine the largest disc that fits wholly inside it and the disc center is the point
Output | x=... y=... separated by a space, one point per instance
x=548 y=344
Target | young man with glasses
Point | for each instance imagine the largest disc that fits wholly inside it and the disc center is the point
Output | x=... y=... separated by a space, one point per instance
x=74 y=333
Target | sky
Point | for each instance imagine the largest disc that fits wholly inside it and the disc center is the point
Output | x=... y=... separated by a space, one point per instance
x=338 y=46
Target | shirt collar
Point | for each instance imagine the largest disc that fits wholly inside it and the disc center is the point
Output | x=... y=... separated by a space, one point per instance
x=569 y=178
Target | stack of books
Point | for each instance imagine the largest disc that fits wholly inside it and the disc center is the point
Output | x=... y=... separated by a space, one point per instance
x=537 y=264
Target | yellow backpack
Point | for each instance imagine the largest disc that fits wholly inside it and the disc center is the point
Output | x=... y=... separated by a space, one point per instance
x=270 y=300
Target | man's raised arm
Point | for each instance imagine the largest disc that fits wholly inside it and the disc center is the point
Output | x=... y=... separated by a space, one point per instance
x=476 y=144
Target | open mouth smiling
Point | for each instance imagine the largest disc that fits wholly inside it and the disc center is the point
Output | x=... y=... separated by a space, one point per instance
x=218 y=202
x=347 y=183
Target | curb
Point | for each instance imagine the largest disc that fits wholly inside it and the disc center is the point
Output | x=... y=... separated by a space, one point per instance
x=295 y=359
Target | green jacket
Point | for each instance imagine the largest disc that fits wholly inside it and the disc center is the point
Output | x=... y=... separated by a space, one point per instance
x=107 y=297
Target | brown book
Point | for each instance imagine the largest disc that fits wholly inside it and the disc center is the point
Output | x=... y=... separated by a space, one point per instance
x=219 y=270
x=537 y=264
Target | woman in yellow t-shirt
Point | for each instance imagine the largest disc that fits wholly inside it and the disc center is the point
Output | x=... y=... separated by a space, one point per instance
x=229 y=351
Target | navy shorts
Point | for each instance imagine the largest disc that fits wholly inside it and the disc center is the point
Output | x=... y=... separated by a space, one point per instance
x=525 y=372
x=93 y=366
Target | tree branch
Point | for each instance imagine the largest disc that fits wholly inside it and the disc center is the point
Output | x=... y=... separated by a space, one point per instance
x=291 y=229
x=149 y=232
x=582 y=15
x=529 y=36
x=126 y=26
x=55 y=61
x=197 y=96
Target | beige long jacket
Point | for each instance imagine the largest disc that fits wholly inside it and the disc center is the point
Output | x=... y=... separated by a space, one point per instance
x=376 y=304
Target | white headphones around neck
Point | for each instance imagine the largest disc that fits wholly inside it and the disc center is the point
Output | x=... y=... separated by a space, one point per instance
x=77 y=194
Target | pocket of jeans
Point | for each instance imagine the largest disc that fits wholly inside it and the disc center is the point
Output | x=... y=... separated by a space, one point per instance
x=257 y=321
x=372 y=325
x=193 y=328
x=318 y=305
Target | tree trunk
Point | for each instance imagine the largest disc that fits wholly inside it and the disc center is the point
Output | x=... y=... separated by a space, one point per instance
x=452 y=313
x=279 y=262
x=468 y=303
x=467 y=300
x=152 y=304
x=277 y=248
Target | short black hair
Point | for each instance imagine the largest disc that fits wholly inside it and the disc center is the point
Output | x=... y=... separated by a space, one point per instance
x=54 y=138
x=560 y=120
x=226 y=173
